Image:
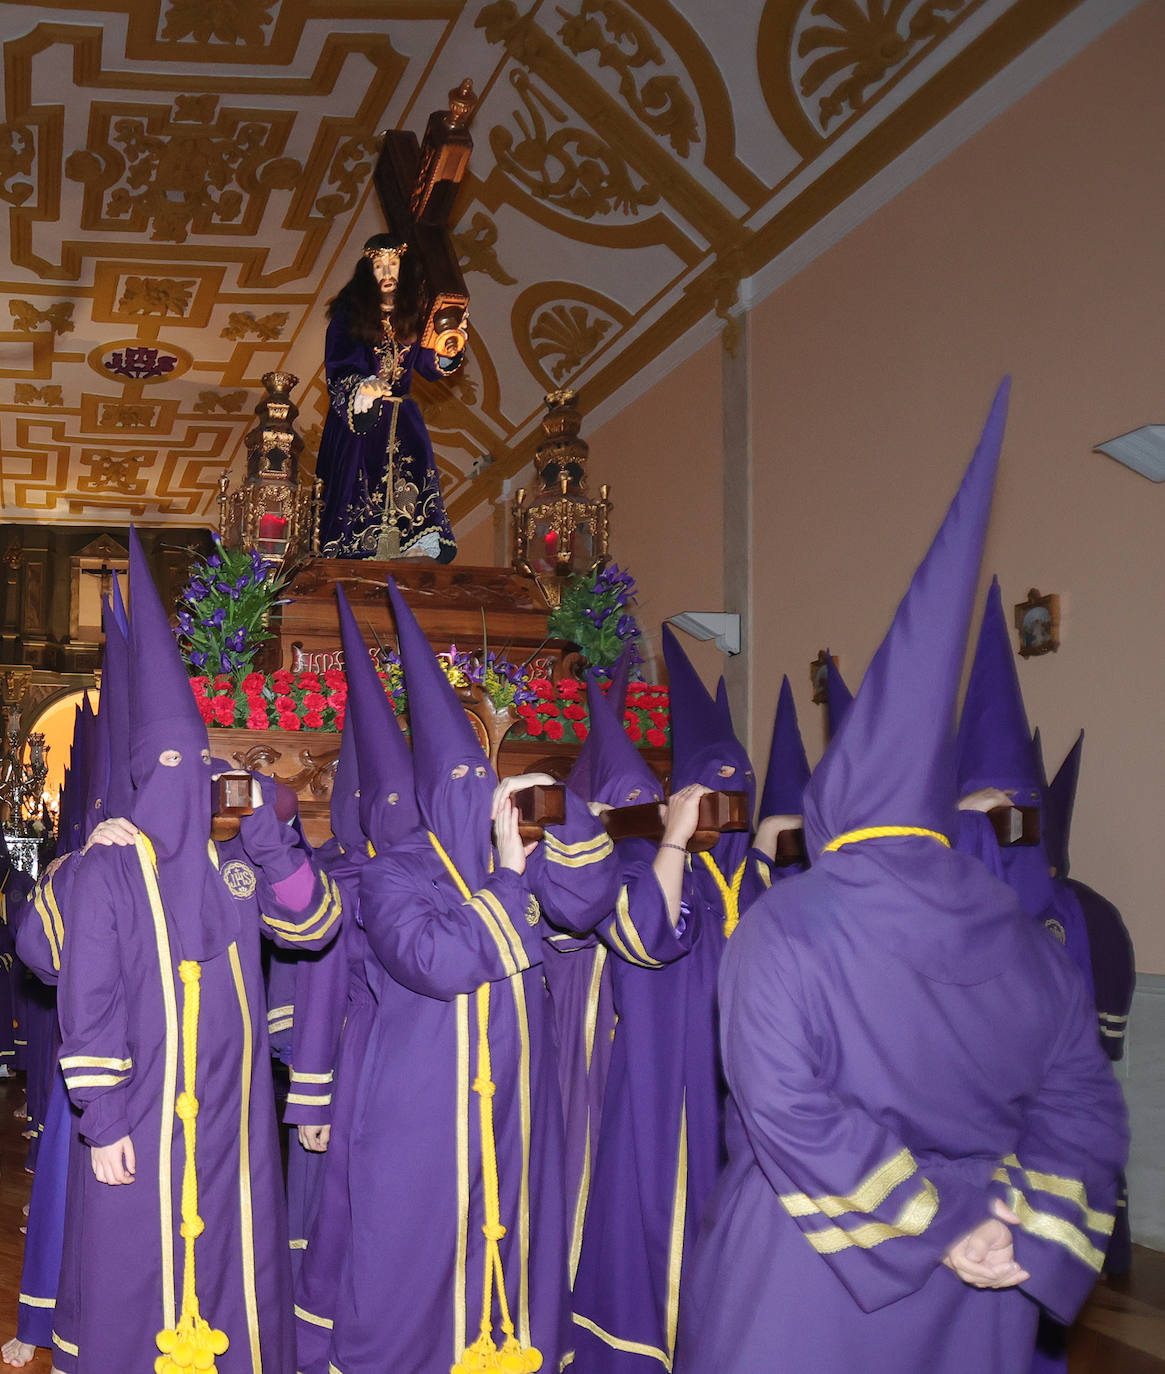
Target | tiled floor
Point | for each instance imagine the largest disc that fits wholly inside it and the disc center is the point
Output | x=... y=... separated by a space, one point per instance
x=1122 y=1331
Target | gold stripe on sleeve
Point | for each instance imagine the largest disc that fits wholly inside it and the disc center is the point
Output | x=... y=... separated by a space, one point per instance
x=1055 y=1229
x=870 y=1193
x=913 y=1220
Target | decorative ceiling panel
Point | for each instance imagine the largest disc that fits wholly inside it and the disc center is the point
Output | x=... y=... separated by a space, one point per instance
x=187 y=183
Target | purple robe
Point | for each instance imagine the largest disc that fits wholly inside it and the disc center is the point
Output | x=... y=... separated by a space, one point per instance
x=121 y=1008
x=880 y=1099
x=415 y=1149
x=662 y=1144
x=354 y=450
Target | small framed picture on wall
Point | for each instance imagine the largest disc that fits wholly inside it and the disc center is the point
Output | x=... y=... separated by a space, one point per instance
x=1037 y=622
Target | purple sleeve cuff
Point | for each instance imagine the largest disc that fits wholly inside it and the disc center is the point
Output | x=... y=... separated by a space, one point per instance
x=295 y=891
x=104 y=1120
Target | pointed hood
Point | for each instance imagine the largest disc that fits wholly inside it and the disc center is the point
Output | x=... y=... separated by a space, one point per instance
x=994 y=742
x=72 y=809
x=580 y=780
x=457 y=809
x=345 y=803
x=1059 y=803
x=788 y=770
x=615 y=770
x=115 y=706
x=838 y=697
x=893 y=760
x=117 y=606
x=388 y=806
x=96 y=767
x=704 y=747
x=171 y=801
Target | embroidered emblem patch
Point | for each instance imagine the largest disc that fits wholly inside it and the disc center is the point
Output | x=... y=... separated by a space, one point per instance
x=1058 y=932
x=533 y=912
x=239 y=878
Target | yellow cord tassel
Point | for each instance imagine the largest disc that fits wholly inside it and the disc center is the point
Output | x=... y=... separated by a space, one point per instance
x=729 y=895
x=484 y=1354
x=193 y=1343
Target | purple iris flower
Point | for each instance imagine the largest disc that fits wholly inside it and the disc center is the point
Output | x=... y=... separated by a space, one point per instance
x=199 y=660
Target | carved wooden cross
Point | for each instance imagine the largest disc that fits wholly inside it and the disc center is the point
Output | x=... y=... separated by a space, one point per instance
x=417 y=183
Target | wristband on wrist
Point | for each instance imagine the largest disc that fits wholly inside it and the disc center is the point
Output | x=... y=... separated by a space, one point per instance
x=667 y=844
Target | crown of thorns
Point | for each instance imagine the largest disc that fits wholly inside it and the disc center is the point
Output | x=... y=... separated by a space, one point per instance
x=386 y=254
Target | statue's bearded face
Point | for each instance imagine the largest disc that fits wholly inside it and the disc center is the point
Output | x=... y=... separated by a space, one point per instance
x=386 y=270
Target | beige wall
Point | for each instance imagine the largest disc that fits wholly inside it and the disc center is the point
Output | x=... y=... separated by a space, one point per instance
x=663 y=459
x=1035 y=248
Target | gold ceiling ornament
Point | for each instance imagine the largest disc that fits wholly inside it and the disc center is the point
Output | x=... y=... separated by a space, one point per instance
x=25 y=394
x=160 y=172
x=155 y=296
x=230 y=402
x=607 y=27
x=569 y=167
x=272 y=513
x=17 y=155
x=568 y=332
x=241 y=324
x=559 y=328
x=27 y=318
x=111 y=470
x=561 y=531
x=219 y=21
x=476 y=251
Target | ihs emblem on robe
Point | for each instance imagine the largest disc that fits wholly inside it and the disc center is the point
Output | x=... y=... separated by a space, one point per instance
x=1058 y=932
x=239 y=878
x=533 y=911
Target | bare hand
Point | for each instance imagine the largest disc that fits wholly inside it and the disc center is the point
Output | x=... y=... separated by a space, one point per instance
x=511 y=851
x=114 y=830
x=770 y=828
x=985 y=1257
x=314 y=1138
x=986 y=799
x=682 y=813
x=114 y=1163
x=509 y=786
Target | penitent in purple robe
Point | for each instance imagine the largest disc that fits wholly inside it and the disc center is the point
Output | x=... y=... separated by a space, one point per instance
x=138 y=931
x=456 y=946
x=661 y=1146
x=901 y=1047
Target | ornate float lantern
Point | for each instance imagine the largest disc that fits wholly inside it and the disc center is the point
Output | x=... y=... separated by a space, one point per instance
x=561 y=530
x=273 y=513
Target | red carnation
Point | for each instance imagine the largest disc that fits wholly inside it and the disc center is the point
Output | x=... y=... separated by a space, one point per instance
x=199 y=685
x=526 y=711
x=254 y=682
x=313 y=720
x=630 y=718
x=658 y=719
x=339 y=720
x=284 y=704
x=309 y=682
x=534 y=726
x=257 y=721
x=541 y=687
x=335 y=679
x=634 y=733
x=569 y=687
x=281 y=679
x=581 y=731
x=288 y=720
x=554 y=729
x=313 y=701
x=205 y=710
x=656 y=738
x=574 y=712
x=547 y=709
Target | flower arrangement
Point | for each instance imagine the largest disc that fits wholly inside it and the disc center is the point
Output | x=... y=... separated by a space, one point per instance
x=546 y=710
x=222 y=613
x=595 y=613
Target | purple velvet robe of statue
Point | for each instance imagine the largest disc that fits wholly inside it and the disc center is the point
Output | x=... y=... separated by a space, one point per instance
x=877 y=1108
x=411 y=1290
x=662 y=1142
x=353 y=460
x=121 y=1010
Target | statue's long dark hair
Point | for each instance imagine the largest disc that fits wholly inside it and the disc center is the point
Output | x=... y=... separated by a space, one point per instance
x=359 y=299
